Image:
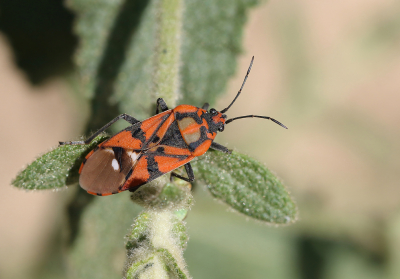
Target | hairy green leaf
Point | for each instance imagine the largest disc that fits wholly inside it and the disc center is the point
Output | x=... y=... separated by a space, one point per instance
x=247 y=186
x=118 y=40
x=114 y=59
x=159 y=264
x=171 y=264
x=212 y=39
x=140 y=267
x=155 y=246
x=139 y=232
x=98 y=249
x=55 y=169
x=180 y=232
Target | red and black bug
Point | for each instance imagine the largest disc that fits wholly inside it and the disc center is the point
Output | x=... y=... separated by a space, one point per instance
x=148 y=149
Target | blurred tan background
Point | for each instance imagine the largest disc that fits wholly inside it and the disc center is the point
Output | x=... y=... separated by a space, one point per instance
x=330 y=71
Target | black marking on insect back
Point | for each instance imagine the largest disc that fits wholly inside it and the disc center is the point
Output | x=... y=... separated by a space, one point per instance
x=152 y=165
x=84 y=161
x=180 y=116
x=173 y=137
x=136 y=132
x=99 y=194
x=139 y=134
x=156 y=139
x=154 y=135
x=160 y=151
x=212 y=126
x=194 y=115
x=201 y=115
x=194 y=145
x=126 y=178
x=152 y=168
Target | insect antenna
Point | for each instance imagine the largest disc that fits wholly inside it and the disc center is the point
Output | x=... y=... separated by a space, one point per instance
x=256 y=116
x=240 y=90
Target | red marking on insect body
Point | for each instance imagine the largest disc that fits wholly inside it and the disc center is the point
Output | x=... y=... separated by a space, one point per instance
x=161 y=131
x=202 y=148
x=165 y=164
x=140 y=175
x=186 y=109
x=170 y=150
x=149 y=126
x=123 y=139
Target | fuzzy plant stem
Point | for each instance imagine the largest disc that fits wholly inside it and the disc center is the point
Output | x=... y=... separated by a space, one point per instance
x=167 y=52
x=156 y=246
x=156 y=251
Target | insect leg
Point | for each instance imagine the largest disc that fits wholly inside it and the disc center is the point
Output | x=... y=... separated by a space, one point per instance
x=217 y=146
x=205 y=106
x=189 y=172
x=124 y=116
x=161 y=104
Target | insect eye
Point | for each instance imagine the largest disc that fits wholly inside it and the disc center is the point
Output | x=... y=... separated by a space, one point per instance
x=221 y=128
x=213 y=111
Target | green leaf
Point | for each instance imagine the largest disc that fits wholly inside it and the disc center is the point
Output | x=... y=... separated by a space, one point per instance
x=118 y=40
x=98 y=249
x=180 y=232
x=114 y=58
x=213 y=38
x=159 y=264
x=139 y=232
x=57 y=168
x=171 y=264
x=138 y=268
x=247 y=186
x=155 y=246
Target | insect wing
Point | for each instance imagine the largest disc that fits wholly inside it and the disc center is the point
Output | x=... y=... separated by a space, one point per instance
x=142 y=135
x=156 y=162
x=135 y=156
x=107 y=169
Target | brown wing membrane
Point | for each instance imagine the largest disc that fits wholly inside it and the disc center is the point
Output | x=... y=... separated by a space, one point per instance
x=106 y=170
x=114 y=168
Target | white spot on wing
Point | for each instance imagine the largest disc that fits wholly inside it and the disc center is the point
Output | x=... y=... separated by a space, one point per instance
x=134 y=155
x=115 y=164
